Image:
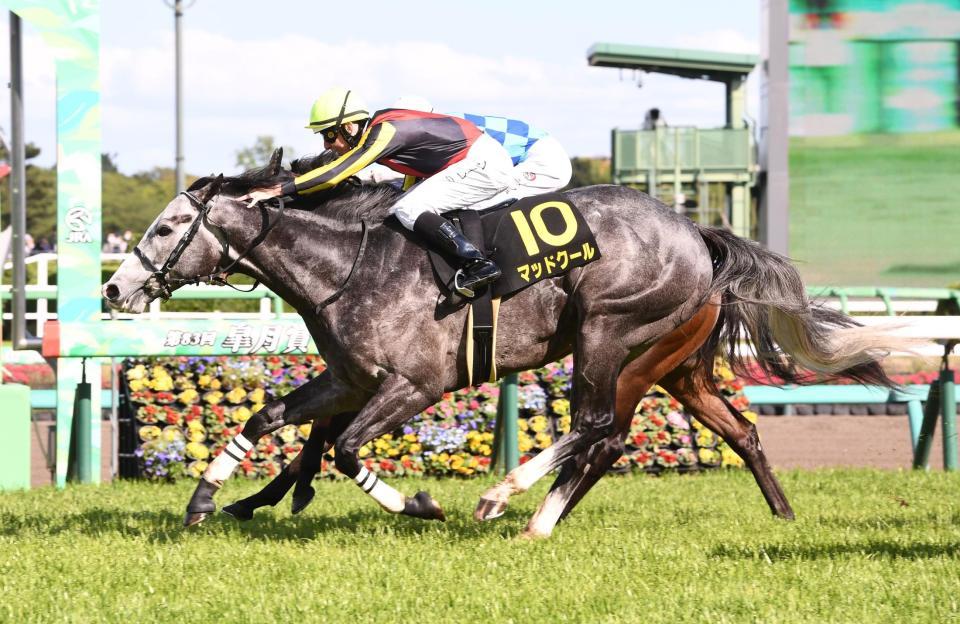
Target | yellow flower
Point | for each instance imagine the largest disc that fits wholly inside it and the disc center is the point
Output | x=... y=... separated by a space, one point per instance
x=213 y=397
x=241 y=415
x=256 y=407
x=197 y=468
x=256 y=396
x=196 y=434
x=171 y=434
x=304 y=429
x=215 y=384
x=188 y=396
x=135 y=385
x=409 y=437
x=149 y=432
x=538 y=423
x=751 y=416
x=522 y=424
x=162 y=384
x=525 y=443
x=485 y=450
x=730 y=458
x=204 y=380
x=137 y=372
x=415 y=448
x=456 y=462
x=704 y=437
x=544 y=440
x=364 y=451
x=195 y=450
x=707 y=456
x=237 y=395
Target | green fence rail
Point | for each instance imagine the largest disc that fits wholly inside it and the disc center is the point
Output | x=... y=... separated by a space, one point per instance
x=888 y=296
x=940 y=398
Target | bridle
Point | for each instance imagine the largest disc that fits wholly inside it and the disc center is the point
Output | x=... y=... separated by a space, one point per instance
x=159 y=284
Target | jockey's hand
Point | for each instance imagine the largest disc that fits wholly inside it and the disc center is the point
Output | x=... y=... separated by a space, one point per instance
x=259 y=195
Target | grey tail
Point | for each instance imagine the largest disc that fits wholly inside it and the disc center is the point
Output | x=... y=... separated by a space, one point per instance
x=765 y=306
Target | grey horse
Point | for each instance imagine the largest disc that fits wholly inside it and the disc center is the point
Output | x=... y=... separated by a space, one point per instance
x=373 y=317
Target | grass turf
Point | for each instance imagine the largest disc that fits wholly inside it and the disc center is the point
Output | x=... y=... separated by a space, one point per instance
x=876 y=209
x=868 y=546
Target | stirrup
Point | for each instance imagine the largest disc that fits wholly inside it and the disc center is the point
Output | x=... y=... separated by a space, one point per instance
x=463 y=291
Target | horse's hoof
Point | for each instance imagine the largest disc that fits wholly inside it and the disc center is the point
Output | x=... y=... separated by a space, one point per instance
x=300 y=501
x=532 y=536
x=193 y=518
x=239 y=512
x=423 y=506
x=488 y=509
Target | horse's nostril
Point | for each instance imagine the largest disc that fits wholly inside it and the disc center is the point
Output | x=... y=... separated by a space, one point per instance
x=111 y=292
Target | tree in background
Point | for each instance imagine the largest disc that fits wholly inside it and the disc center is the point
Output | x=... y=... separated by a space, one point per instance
x=589 y=171
x=258 y=154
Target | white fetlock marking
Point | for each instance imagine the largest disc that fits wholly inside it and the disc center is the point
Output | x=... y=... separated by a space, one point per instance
x=547 y=516
x=523 y=477
x=224 y=464
x=388 y=498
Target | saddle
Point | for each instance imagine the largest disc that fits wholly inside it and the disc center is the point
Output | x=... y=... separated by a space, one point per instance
x=531 y=239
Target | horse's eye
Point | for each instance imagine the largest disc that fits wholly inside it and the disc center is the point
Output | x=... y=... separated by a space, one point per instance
x=164 y=230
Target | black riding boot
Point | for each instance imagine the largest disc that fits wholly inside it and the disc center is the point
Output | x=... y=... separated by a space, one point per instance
x=477 y=271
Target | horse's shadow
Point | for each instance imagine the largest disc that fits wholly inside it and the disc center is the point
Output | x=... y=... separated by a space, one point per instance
x=166 y=526
x=888 y=549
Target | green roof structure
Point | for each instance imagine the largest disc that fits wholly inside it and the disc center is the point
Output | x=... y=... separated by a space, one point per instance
x=717 y=66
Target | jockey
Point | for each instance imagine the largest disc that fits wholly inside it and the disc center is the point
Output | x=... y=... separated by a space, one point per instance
x=541 y=165
x=477 y=172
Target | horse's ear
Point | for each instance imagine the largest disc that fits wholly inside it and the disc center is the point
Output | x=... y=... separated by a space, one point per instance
x=275 y=160
x=213 y=189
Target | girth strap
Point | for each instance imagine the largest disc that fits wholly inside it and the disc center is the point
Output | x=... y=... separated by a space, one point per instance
x=481 y=323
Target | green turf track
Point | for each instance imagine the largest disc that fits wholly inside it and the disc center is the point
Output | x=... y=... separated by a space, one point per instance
x=876 y=210
x=868 y=546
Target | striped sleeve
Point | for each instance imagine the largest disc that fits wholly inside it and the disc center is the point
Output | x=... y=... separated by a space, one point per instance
x=376 y=143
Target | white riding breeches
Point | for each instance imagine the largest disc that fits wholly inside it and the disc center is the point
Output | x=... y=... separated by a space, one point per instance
x=484 y=178
x=546 y=168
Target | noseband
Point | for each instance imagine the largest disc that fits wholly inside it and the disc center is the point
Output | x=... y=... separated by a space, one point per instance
x=159 y=283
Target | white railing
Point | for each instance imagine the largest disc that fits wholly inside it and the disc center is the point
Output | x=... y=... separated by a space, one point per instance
x=42 y=291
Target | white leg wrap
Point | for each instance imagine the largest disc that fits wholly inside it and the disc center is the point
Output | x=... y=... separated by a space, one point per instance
x=386 y=496
x=223 y=464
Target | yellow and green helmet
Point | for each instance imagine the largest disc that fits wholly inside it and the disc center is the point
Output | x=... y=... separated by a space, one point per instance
x=337 y=106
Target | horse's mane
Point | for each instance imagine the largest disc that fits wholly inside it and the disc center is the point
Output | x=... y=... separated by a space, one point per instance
x=349 y=201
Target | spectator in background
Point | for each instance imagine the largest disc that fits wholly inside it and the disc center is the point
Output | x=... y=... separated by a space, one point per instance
x=28 y=244
x=44 y=246
x=126 y=241
x=654 y=120
x=110 y=245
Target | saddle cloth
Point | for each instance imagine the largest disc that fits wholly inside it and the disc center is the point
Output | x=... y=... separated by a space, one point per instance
x=533 y=239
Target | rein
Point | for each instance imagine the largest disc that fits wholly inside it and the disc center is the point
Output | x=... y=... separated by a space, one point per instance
x=159 y=283
x=356 y=260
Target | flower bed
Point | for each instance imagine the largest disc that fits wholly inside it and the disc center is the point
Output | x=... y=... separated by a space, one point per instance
x=186 y=409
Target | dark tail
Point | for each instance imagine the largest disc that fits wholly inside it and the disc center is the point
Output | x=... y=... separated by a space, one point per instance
x=764 y=305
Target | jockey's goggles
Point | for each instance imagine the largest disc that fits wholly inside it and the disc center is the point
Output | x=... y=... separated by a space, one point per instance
x=329 y=134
